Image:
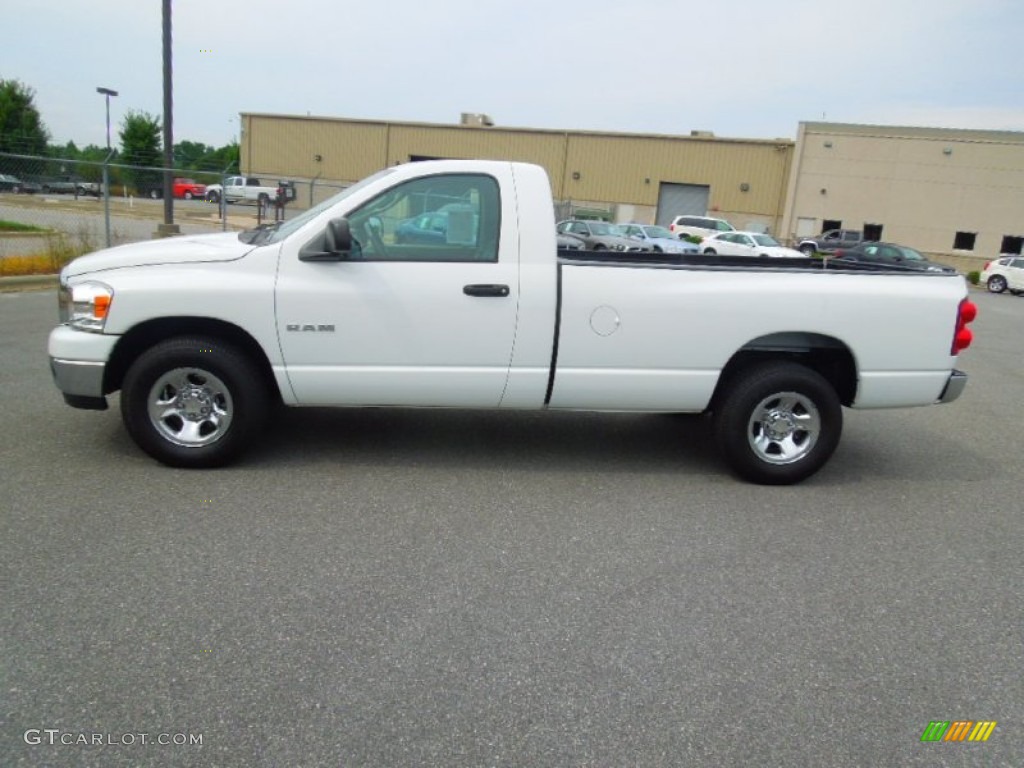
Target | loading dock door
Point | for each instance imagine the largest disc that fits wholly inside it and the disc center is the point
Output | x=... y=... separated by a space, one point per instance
x=678 y=199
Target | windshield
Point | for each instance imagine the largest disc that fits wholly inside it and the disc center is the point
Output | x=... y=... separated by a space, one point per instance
x=766 y=241
x=605 y=229
x=909 y=254
x=658 y=232
x=278 y=232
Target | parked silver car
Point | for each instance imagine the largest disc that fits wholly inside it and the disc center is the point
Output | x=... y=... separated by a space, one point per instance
x=600 y=236
x=658 y=238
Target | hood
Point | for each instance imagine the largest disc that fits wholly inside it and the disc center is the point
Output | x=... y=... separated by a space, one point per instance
x=782 y=251
x=613 y=240
x=673 y=244
x=223 y=246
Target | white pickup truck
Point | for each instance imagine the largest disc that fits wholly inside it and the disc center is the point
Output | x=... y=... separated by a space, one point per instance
x=346 y=306
x=241 y=189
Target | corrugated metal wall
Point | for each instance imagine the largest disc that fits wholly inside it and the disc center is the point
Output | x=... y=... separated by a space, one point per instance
x=745 y=176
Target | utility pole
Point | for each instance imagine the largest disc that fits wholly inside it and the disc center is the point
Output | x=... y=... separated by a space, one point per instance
x=107 y=93
x=168 y=228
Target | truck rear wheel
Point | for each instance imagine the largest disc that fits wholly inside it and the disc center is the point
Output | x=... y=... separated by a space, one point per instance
x=778 y=423
x=193 y=402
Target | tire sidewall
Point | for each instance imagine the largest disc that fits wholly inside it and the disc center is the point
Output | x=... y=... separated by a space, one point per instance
x=745 y=391
x=226 y=362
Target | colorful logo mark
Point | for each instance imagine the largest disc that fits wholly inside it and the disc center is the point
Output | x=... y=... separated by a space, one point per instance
x=958 y=730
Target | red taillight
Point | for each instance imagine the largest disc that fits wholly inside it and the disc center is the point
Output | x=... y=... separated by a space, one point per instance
x=963 y=337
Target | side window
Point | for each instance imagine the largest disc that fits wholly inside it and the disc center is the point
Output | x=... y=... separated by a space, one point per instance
x=451 y=217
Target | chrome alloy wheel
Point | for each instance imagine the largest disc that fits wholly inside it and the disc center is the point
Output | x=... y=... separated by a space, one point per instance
x=190 y=407
x=783 y=428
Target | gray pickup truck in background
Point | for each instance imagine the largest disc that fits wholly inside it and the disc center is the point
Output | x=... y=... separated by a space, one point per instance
x=830 y=241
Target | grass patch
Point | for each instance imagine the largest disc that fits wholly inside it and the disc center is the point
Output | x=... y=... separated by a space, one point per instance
x=57 y=249
x=15 y=226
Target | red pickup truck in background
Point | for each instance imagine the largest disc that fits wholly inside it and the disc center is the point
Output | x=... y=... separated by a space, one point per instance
x=188 y=188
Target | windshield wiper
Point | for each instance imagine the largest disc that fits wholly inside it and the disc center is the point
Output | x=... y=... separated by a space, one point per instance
x=259 y=234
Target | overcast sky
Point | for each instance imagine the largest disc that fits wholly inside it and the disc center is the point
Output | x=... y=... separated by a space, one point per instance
x=740 y=68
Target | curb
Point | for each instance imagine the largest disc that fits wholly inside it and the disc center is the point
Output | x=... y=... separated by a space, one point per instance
x=28 y=283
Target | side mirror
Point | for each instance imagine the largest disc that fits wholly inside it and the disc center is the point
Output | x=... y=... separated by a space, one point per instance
x=334 y=245
x=338 y=236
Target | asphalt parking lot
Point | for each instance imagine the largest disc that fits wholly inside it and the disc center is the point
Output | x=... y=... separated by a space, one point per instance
x=433 y=588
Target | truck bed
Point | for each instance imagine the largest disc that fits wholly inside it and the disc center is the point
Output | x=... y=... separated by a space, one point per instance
x=706 y=262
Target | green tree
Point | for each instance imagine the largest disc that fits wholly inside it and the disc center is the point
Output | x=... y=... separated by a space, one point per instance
x=141 y=145
x=188 y=155
x=140 y=139
x=21 y=128
x=224 y=158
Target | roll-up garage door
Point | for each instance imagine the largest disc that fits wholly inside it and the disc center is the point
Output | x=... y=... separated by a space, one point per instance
x=677 y=199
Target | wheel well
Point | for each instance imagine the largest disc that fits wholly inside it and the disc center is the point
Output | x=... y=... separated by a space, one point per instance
x=828 y=356
x=152 y=332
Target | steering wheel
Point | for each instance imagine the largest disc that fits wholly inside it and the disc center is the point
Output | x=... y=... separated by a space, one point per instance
x=374 y=237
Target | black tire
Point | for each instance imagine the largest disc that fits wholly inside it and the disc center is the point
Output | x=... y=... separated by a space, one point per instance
x=194 y=402
x=710 y=252
x=598 y=247
x=212 y=197
x=777 y=423
x=263 y=200
x=807 y=249
x=997 y=284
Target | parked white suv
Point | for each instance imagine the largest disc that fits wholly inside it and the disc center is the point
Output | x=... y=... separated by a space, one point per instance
x=700 y=226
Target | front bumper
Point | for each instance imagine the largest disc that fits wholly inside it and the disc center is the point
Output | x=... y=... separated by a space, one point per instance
x=78 y=362
x=81 y=382
x=954 y=387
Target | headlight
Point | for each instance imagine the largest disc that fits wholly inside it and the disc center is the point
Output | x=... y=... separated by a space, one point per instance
x=85 y=306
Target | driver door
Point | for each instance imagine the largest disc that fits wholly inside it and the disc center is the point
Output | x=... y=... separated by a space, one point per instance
x=407 y=321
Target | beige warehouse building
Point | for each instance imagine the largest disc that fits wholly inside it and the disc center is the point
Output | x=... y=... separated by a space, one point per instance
x=958 y=194
x=627 y=177
x=954 y=193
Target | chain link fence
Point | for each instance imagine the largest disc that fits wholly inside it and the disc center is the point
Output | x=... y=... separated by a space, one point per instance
x=54 y=209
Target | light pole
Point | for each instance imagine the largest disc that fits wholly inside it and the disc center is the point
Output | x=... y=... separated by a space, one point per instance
x=107 y=93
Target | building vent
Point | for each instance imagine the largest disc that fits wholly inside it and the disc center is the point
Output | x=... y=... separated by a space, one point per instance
x=476 y=119
x=702 y=134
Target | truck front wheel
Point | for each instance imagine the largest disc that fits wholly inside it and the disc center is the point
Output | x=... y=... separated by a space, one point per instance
x=193 y=402
x=778 y=423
